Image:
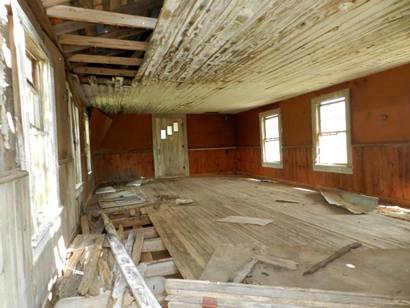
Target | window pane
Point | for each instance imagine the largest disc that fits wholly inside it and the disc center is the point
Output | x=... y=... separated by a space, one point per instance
x=175 y=125
x=333 y=149
x=272 y=127
x=333 y=117
x=163 y=134
x=271 y=151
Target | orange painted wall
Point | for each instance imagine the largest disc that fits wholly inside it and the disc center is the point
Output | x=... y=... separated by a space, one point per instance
x=380 y=123
x=122 y=145
x=125 y=148
x=211 y=143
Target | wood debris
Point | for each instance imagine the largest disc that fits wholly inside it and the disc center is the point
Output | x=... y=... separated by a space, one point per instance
x=180 y=201
x=245 y=220
x=342 y=251
x=354 y=203
x=105 y=190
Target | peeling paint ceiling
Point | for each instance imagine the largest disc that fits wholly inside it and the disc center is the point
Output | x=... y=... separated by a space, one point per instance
x=233 y=55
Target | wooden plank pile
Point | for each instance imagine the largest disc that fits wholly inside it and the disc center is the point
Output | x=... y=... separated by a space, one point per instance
x=95 y=262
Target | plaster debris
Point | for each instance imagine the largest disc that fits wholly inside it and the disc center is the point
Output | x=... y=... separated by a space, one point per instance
x=105 y=190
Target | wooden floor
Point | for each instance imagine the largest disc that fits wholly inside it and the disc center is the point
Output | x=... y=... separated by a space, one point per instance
x=191 y=233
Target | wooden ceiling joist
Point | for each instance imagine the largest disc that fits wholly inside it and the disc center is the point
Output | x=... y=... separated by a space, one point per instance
x=101 y=17
x=92 y=41
x=50 y=3
x=84 y=58
x=85 y=70
x=68 y=27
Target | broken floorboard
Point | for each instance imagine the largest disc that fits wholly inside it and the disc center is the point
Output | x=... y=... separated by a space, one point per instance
x=191 y=234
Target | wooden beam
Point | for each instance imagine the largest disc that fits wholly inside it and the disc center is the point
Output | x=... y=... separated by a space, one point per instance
x=84 y=58
x=101 y=17
x=92 y=41
x=85 y=70
x=138 y=287
x=152 y=245
x=49 y=3
x=68 y=26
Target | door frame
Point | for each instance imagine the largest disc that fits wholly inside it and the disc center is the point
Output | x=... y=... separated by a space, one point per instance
x=155 y=145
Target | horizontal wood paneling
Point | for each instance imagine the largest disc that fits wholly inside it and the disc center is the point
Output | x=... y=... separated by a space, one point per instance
x=382 y=171
x=125 y=166
x=212 y=161
x=380 y=129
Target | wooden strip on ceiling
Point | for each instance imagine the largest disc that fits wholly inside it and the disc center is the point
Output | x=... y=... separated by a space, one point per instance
x=101 y=17
x=104 y=71
x=85 y=58
x=92 y=41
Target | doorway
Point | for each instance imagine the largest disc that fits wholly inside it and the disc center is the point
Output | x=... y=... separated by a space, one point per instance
x=170 y=145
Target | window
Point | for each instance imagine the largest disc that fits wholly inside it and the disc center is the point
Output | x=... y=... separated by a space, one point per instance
x=40 y=159
x=75 y=135
x=331 y=132
x=271 y=135
x=87 y=143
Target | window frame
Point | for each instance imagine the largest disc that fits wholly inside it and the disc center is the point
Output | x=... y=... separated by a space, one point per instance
x=74 y=114
x=262 y=117
x=315 y=109
x=87 y=143
x=28 y=40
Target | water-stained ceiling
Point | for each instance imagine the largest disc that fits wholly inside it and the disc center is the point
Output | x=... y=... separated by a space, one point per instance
x=232 y=55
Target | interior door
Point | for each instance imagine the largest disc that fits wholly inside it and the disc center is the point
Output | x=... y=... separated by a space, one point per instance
x=170 y=145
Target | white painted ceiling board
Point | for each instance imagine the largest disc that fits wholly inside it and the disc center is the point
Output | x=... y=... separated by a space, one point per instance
x=233 y=55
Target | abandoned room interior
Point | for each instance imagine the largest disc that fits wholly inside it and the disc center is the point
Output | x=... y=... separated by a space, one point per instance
x=204 y=153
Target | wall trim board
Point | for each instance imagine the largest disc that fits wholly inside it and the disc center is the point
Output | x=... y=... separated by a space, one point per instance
x=12 y=175
x=213 y=149
x=111 y=152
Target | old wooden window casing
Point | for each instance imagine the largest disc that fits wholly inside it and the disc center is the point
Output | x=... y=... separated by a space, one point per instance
x=76 y=141
x=271 y=138
x=331 y=132
x=87 y=143
x=36 y=97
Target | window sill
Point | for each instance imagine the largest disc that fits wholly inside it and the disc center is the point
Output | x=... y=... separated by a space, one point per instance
x=278 y=165
x=44 y=233
x=333 y=169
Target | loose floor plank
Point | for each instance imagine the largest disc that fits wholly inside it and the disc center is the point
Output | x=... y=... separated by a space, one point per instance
x=139 y=289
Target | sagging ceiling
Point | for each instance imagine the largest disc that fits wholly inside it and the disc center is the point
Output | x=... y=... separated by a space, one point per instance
x=232 y=55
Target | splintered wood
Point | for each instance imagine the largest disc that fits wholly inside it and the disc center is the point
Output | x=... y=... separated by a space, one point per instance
x=135 y=280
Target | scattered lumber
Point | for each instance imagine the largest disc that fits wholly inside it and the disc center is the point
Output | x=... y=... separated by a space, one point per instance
x=276 y=261
x=137 y=247
x=164 y=267
x=138 y=287
x=240 y=275
x=105 y=190
x=120 y=284
x=342 y=251
x=180 y=201
x=245 y=220
x=90 y=267
x=191 y=293
x=287 y=201
x=152 y=245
